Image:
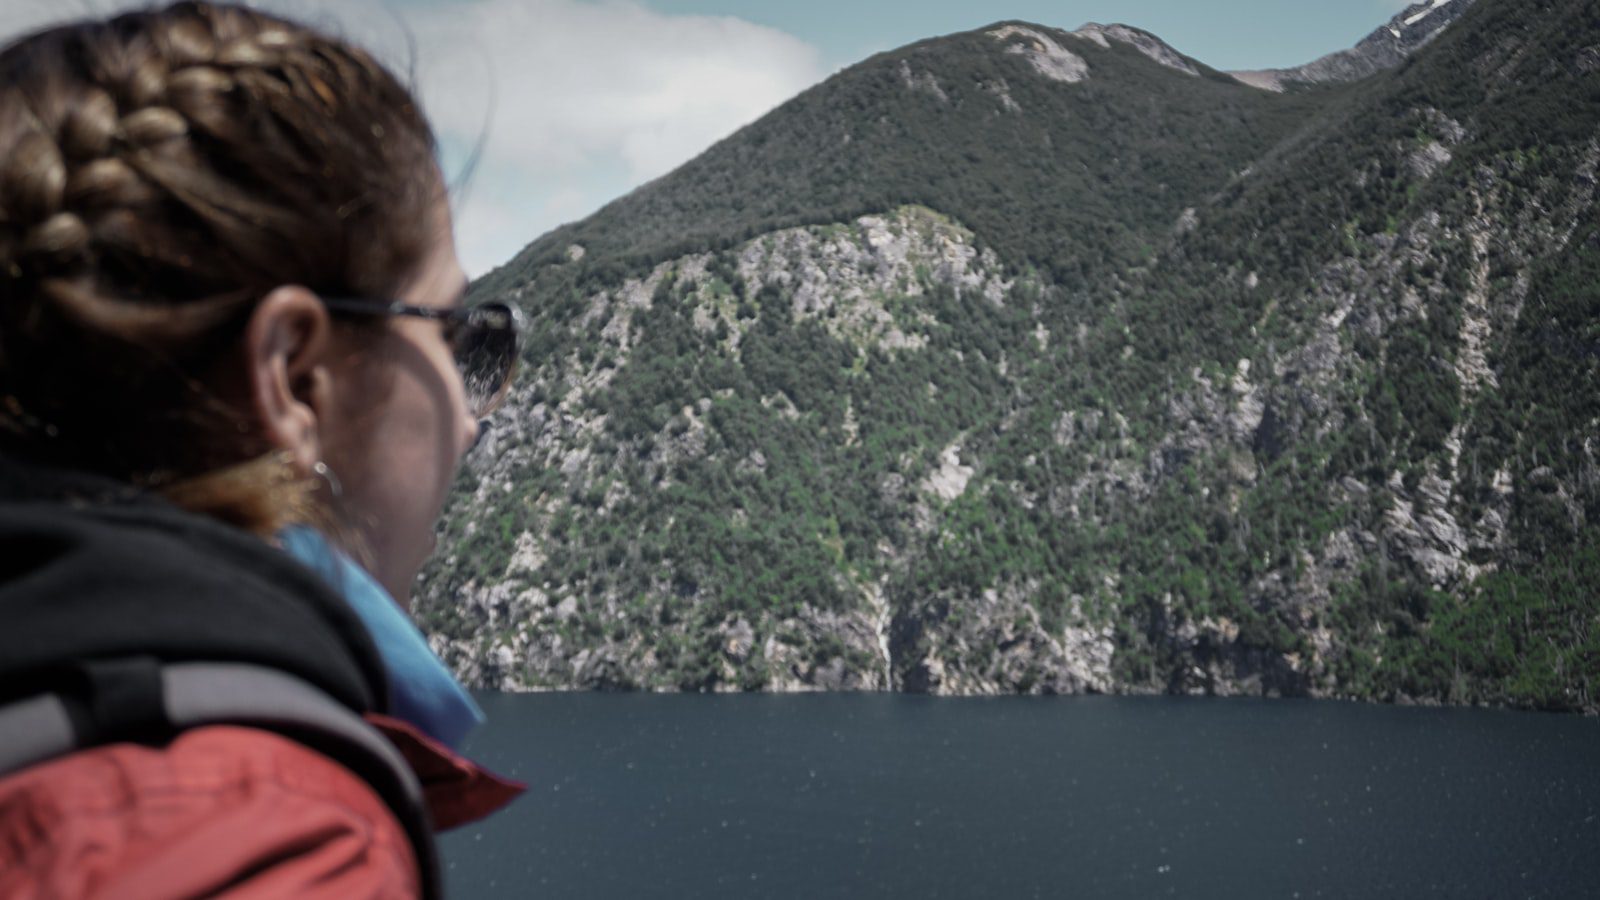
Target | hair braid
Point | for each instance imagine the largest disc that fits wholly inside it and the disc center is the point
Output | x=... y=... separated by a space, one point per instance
x=90 y=126
x=100 y=159
x=159 y=173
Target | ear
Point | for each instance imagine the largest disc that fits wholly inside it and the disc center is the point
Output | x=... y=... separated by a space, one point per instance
x=286 y=346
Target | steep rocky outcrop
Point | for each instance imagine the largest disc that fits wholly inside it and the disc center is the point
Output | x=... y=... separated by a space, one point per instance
x=1082 y=410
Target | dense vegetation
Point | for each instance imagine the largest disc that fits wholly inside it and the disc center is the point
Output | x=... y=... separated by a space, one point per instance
x=1080 y=181
x=1283 y=393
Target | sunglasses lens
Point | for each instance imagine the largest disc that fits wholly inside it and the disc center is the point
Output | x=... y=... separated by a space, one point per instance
x=486 y=352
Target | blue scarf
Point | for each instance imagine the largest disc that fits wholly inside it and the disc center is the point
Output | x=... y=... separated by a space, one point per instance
x=422 y=691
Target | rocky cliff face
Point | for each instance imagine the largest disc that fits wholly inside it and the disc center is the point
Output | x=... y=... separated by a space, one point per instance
x=861 y=284
x=1322 y=424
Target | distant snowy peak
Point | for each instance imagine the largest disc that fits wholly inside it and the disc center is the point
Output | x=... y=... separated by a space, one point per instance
x=1419 y=16
x=1385 y=48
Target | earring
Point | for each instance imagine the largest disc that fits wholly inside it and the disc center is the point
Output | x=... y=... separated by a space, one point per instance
x=322 y=471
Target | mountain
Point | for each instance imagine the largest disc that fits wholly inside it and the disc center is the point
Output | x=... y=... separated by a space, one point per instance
x=964 y=124
x=1028 y=360
x=1385 y=48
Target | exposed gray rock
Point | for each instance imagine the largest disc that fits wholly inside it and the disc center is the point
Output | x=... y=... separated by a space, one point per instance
x=950 y=479
x=995 y=643
x=1428 y=159
x=1047 y=57
x=1002 y=92
x=1422 y=528
x=1187 y=222
x=922 y=81
x=1142 y=41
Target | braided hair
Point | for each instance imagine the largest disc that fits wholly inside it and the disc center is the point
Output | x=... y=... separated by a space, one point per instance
x=160 y=172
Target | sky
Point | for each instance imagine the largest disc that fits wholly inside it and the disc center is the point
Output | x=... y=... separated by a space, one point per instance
x=569 y=104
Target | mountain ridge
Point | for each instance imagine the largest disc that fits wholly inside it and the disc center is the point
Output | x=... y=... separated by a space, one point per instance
x=1384 y=48
x=1144 y=382
x=549 y=247
x=615 y=219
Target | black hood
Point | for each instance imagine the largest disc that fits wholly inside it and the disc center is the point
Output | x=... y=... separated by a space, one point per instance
x=91 y=569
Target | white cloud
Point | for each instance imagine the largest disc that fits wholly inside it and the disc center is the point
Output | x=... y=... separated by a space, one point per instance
x=589 y=99
x=573 y=77
x=496 y=224
x=583 y=89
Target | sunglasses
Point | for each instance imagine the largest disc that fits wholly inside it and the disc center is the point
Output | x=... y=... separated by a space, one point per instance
x=483 y=338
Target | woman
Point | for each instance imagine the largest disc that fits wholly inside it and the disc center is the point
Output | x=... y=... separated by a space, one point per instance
x=233 y=362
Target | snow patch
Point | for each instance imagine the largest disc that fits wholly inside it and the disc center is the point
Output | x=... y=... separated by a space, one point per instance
x=1414 y=19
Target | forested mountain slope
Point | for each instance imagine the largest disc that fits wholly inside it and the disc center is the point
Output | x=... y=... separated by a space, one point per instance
x=1028 y=360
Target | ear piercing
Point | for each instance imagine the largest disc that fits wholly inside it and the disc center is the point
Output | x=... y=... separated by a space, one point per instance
x=321 y=470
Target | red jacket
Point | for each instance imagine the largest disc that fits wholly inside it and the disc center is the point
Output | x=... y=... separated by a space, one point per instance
x=223 y=811
x=128 y=618
x=220 y=812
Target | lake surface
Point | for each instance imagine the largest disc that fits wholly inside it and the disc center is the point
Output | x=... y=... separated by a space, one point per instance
x=882 y=795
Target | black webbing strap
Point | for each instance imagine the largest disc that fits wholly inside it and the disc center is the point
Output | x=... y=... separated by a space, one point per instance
x=131 y=699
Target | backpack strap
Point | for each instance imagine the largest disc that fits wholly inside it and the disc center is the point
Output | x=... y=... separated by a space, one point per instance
x=140 y=699
x=32 y=731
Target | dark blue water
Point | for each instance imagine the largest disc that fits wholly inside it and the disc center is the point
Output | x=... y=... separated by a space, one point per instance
x=898 y=796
